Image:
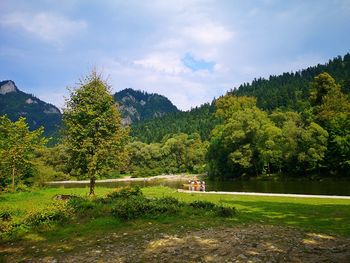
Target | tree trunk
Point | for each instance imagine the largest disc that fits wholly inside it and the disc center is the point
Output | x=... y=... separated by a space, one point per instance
x=13 y=176
x=92 y=186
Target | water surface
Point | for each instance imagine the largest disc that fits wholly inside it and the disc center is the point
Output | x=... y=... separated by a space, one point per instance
x=290 y=186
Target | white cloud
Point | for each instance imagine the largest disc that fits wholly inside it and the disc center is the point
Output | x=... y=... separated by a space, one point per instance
x=163 y=62
x=46 y=26
x=208 y=33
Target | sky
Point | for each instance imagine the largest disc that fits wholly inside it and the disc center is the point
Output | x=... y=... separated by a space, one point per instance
x=190 y=51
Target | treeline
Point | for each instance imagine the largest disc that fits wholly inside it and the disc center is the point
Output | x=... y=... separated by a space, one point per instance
x=289 y=91
x=199 y=120
x=252 y=142
x=178 y=153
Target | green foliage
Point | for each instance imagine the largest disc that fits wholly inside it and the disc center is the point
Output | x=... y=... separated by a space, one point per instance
x=198 y=120
x=289 y=91
x=17 y=145
x=124 y=192
x=252 y=142
x=332 y=111
x=93 y=136
x=175 y=154
x=131 y=208
x=37 y=112
x=202 y=204
x=225 y=211
x=57 y=212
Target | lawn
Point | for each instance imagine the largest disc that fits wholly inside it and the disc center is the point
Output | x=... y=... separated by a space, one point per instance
x=321 y=215
x=326 y=216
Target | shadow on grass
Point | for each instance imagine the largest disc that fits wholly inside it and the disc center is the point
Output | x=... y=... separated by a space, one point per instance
x=325 y=218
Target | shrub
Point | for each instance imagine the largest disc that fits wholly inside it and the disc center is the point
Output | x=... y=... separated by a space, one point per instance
x=131 y=208
x=5 y=215
x=125 y=192
x=202 y=205
x=80 y=204
x=225 y=211
x=165 y=205
x=54 y=213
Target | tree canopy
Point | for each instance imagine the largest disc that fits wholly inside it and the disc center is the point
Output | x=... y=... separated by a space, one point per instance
x=93 y=135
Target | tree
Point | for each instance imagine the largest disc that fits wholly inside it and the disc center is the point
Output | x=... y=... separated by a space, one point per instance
x=332 y=111
x=17 y=145
x=93 y=134
x=245 y=142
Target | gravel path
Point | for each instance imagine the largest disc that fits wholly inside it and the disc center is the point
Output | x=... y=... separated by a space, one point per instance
x=267 y=194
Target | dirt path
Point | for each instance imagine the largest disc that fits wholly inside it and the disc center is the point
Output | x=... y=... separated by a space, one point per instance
x=267 y=194
x=254 y=243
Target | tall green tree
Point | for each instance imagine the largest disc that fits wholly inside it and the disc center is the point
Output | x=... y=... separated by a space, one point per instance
x=332 y=111
x=17 y=145
x=93 y=134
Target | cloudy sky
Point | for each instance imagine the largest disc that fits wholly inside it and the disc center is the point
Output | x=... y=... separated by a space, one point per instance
x=189 y=51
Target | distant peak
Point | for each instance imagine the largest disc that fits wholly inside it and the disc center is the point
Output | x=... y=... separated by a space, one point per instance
x=7 y=86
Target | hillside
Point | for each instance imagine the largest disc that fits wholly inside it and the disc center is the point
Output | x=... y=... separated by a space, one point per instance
x=289 y=91
x=16 y=103
x=137 y=105
x=198 y=120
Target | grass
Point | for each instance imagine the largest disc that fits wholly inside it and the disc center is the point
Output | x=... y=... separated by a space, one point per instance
x=322 y=215
x=330 y=216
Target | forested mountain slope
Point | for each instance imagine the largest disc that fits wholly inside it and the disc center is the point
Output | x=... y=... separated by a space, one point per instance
x=137 y=105
x=288 y=91
x=198 y=120
x=16 y=103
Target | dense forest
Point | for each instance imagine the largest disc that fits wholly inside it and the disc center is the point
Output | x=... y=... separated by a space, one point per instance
x=296 y=124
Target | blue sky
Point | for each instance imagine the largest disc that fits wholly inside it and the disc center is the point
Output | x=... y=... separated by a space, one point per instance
x=189 y=51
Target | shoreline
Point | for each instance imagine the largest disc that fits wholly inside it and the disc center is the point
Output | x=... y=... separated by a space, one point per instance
x=169 y=177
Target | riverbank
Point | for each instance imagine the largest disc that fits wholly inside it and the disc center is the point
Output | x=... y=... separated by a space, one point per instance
x=168 y=177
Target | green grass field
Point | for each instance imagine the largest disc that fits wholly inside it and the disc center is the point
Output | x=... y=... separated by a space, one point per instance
x=321 y=215
x=84 y=232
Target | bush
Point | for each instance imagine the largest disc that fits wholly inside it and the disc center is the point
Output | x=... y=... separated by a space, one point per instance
x=5 y=215
x=138 y=206
x=56 y=212
x=165 y=205
x=125 y=192
x=225 y=211
x=80 y=204
x=202 y=205
x=131 y=208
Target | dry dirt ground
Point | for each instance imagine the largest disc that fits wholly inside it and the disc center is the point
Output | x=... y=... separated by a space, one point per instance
x=252 y=243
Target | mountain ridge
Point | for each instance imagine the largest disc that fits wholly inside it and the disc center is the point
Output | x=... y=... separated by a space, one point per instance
x=16 y=103
x=137 y=105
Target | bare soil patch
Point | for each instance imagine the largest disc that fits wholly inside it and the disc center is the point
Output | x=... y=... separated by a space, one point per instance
x=253 y=243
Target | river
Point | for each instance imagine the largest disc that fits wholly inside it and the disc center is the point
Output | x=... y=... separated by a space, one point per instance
x=287 y=186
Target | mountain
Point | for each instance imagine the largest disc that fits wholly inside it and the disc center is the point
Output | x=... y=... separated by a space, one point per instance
x=134 y=105
x=288 y=91
x=16 y=103
x=138 y=105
